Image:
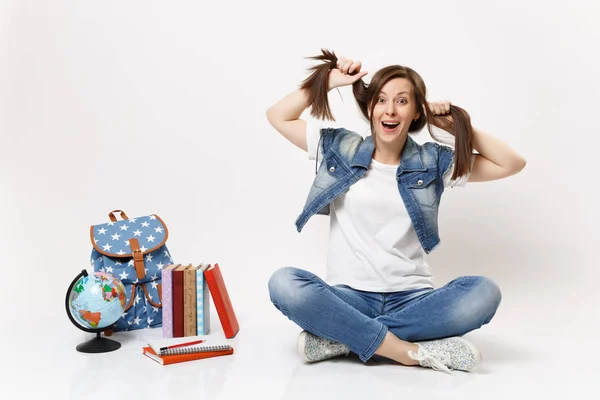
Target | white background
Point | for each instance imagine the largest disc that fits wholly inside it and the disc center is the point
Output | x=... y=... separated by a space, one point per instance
x=159 y=107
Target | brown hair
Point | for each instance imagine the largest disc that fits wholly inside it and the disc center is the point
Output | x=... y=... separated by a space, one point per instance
x=317 y=87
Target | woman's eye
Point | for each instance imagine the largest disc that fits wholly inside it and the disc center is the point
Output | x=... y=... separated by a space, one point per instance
x=401 y=100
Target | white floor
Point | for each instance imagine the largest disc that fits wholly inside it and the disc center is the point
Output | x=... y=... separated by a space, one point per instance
x=527 y=353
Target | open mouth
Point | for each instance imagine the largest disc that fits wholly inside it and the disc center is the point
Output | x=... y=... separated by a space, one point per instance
x=389 y=126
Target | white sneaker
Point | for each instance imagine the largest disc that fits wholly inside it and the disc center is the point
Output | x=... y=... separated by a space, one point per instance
x=454 y=353
x=314 y=348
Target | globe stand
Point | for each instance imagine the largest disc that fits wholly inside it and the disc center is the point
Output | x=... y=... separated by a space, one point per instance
x=97 y=344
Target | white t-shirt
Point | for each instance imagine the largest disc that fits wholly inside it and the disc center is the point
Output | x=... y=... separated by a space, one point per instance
x=373 y=245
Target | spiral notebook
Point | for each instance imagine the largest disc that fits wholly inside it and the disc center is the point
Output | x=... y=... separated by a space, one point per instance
x=183 y=354
x=159 y=343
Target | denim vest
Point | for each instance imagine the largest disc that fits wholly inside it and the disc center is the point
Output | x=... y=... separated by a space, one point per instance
x=346 y=158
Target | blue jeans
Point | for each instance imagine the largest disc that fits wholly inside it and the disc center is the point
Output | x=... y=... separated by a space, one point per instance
x=360 y=320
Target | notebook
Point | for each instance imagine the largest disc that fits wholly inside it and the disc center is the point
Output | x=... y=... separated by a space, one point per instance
x=158 y=344
x=220 y=296
x=184 y=354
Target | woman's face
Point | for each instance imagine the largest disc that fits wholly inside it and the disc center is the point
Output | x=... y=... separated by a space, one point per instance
x=394 y=110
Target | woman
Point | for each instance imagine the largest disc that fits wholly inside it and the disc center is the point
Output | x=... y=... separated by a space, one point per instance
x=382 y=193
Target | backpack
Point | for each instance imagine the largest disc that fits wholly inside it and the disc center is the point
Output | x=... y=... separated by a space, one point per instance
x=133 y=250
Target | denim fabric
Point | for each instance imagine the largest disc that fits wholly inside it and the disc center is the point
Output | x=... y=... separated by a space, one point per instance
x=346 y=158
x=361 y=319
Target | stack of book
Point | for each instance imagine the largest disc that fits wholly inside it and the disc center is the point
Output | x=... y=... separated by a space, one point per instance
x=186 y=304
x=183 y=352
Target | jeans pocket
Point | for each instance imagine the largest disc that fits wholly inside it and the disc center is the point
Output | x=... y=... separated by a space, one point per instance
x=331 y=170
x=423 y=187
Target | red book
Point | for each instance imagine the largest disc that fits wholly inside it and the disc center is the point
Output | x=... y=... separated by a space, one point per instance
x=218 y=292
x=178 y=301
x=186 y=356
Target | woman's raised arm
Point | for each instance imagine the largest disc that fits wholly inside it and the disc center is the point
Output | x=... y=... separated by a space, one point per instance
x=285 y=114
x=285 y=117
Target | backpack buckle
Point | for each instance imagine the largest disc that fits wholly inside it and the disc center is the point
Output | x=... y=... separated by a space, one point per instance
x=138 y=258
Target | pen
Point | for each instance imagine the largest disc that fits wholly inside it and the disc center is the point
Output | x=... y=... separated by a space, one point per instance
x=181 y=345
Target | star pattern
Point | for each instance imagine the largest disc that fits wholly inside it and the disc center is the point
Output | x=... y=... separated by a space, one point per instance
x=149 y=229
x=113 y=239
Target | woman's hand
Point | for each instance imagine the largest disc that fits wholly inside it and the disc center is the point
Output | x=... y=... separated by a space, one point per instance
x=346 y=73
x=441 y=115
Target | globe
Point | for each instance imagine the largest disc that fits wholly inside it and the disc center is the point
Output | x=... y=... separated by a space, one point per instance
x=95 y=302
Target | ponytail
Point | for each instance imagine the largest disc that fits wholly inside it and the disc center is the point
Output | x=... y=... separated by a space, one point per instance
x=463 y=139
x=317 y=85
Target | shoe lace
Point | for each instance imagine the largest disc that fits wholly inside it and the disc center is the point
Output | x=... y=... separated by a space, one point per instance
x=438 y=362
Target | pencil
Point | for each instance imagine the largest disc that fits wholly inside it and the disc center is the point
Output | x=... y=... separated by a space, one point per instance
x=181 y=345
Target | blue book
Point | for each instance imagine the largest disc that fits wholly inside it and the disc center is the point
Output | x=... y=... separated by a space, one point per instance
x=202 y=302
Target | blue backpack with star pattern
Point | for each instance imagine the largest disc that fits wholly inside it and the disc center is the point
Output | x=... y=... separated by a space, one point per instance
x=135 y=251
